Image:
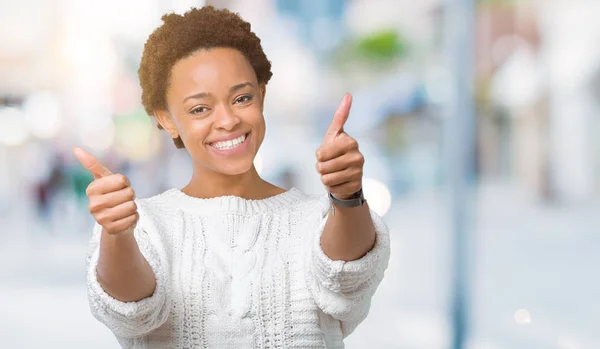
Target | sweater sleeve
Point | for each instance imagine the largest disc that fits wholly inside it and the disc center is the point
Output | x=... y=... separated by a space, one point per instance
x=344 y=289
x=131 y=319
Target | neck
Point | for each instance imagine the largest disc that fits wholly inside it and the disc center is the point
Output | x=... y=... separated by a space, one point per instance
x=246 y=185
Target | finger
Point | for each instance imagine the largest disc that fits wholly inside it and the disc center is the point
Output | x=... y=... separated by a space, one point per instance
x=339 y=118
x=336 y=178
x=333 y=150
x=111 y=199
x=351 y=159
x=109 y=184
x=117 y=213
x=91 y=163
x=123 y=210
x=345 y=190
x=123 y=225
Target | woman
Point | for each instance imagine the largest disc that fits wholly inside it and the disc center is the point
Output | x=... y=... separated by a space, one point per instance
x=230 y=260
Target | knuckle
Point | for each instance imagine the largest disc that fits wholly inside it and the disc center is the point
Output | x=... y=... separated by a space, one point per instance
x=108 y=227
x=122 y=179
x=352 y=143
x=130 y=193
x=360 y=159
x=88 y=190
x=100 y=219
x=94 y=204
x=320 y=167
x=103 y=222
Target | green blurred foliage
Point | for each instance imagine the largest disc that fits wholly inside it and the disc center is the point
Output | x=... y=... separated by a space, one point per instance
x=383 y=45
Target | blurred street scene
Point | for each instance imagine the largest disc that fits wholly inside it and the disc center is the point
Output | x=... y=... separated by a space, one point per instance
x=68 y=77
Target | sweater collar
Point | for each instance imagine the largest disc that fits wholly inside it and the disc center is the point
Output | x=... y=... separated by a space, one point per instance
x=232 y=203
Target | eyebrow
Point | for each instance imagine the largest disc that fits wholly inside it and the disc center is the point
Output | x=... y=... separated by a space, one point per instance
x=240 y=86
x=233 y=88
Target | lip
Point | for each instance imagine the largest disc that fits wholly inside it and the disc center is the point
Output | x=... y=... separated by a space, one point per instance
x=235 y=151
x=228 y=137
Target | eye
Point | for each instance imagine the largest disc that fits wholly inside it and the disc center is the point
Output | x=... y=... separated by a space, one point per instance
x=243 y=99
x=199 y=110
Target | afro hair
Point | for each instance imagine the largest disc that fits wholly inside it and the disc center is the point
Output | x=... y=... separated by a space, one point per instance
x=180 y=36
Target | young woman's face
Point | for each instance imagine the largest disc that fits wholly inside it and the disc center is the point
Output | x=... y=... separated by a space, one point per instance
x=216 y=106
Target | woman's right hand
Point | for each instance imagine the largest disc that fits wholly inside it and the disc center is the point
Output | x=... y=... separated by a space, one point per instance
x=111 y=198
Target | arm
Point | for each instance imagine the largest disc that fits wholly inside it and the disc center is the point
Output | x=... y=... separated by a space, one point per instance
x=348 y=234
x=114 y=300
x=122 y=270
x=344 y=289
x=126 y=265
x=350 y=253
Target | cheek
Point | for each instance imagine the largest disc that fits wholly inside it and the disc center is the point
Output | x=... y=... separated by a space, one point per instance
x=253 y=117
x=257 y=119
x=260 y=127
x=194 y=131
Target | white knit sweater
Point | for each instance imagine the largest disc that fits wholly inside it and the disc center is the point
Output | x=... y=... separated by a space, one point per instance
x=236 y=273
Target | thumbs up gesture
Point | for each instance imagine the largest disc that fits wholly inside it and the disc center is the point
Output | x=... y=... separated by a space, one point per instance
x=111 y=198
x=339 y=161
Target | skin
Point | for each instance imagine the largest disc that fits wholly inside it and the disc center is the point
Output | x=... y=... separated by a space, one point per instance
x=122 y=270
x=349 y=233
x=214 y=94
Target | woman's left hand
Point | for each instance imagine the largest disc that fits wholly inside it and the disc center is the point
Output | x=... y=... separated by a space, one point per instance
x=339 y=161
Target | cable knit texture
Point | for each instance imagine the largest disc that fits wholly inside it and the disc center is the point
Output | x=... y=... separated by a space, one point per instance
x=236 y=273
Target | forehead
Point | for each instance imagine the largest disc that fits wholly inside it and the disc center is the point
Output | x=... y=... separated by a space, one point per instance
x=211 y=70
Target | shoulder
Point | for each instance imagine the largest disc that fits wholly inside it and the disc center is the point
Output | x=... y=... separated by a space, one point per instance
x=309 y=209
x=156 y=208
x=310 y=202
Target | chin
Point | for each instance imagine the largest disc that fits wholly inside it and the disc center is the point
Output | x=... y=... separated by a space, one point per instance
x=235 y=169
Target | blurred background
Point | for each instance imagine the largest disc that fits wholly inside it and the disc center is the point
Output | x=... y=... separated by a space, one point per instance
x=529 y=135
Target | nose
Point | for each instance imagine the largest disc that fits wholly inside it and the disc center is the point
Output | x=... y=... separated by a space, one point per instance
x=225 y=118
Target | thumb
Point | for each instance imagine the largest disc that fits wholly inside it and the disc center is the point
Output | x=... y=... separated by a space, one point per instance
x=91 y=163
x=339 y=118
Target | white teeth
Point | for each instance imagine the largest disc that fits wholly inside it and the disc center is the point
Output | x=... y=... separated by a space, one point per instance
x=230 y=144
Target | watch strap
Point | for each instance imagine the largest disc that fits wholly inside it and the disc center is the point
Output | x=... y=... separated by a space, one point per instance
x=355 y=200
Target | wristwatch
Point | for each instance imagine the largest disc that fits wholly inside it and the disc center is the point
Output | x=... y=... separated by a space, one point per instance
x=355 y=200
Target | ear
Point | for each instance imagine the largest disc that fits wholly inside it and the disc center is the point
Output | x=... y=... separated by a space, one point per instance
x=164 y=119
x=263 y=93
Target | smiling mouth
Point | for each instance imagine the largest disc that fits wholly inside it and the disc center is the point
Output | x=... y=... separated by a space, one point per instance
x=230 y=144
